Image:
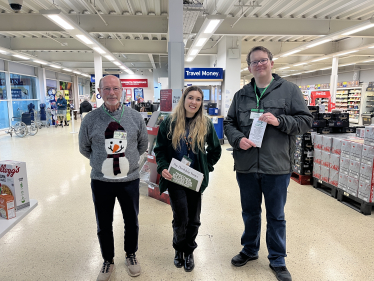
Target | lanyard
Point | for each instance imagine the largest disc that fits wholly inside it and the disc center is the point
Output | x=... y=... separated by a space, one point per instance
x=123 y=108
x=258 y=98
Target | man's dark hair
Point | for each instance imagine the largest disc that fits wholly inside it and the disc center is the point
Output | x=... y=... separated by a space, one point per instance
x=259 y=48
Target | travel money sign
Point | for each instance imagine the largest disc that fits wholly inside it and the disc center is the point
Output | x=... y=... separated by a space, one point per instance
x=215 y=74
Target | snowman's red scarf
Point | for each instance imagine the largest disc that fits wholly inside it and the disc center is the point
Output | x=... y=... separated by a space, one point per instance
x=116 y=169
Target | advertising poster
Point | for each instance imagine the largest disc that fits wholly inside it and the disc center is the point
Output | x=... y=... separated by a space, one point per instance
x=128 y=96
x=139 y=94
x=166 y=97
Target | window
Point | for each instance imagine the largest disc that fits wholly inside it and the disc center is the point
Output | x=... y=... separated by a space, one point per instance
x=3 y=95
x=23 y=87
x=4 y=118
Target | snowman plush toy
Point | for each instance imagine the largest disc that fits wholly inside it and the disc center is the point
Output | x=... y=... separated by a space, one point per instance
x=116 y=165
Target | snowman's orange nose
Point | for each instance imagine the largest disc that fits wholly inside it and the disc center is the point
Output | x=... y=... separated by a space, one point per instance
x=115 y=147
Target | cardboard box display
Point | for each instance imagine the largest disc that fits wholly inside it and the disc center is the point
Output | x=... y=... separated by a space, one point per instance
x=354 y=169
x=7 y=210
x=367 y=154
x=338 y=123
x=317 y=141
x=326 y=143
x=352 y=186
x=369 y=135
x=316 y=171
x=325 y=159
x=356 y=151
x=317 y=156
x=365 y=191
x=343 y=181
x=336 y=146
x=346 y=148
x=366 y=172
x=325 y=173
x=344 y=165
x=335 y=162
x=360 y=132
x=13 y=180
x=334 y=177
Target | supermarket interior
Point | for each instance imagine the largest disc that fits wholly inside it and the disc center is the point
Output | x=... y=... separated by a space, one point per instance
x=157 y=49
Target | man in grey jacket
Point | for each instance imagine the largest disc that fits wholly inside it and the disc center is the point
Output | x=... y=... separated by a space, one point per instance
x=267 y=169
x=113 y=137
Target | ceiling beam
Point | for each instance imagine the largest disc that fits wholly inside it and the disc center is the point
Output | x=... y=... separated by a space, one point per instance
x=152 y=61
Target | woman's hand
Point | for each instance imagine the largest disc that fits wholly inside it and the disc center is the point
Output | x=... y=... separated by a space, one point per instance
x=165 y=173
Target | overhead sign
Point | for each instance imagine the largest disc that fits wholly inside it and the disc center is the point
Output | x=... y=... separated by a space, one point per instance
x=93 y=77
x=203 y=73
x=137 y=83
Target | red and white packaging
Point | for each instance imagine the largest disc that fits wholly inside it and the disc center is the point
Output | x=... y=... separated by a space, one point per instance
x=344 y=165
x=360 y=132
x=346 y=148
x=352 y=186
x=326 y=143
x=318 y=156
x=367 y=154
x=369 y=136
x=366 y=172
x=334 y=177
x=317 y=142
x=335 y=162
x=7 y=210
x=325 y=173
x=325 y=159
x=354 y=169
x=316 y=170
x=365 y=190
x=343 y=181
x=13 y=180
x=336 y=146
x=356 y=151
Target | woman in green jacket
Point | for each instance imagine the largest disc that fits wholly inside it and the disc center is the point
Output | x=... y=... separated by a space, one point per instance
x=187 y=132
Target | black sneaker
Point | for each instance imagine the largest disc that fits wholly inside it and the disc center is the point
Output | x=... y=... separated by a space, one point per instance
x=282 y=273
x=241 y=259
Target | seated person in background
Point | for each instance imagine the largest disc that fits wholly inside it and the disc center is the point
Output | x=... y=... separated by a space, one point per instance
x=85 y=107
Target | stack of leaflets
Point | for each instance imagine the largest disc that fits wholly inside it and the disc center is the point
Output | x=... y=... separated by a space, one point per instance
x=185 y=176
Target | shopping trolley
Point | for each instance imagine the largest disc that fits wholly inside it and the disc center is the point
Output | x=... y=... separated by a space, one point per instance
x=60 y=113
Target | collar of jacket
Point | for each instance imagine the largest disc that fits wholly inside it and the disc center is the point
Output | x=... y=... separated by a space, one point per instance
x=278 y=81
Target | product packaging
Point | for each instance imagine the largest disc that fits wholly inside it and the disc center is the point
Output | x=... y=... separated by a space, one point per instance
x=7 y=210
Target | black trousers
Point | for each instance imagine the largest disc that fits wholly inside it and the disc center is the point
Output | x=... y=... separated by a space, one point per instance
x=104 y=195
x=186 y=206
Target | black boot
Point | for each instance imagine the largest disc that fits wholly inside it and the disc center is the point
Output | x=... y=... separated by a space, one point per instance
x=189 y=263
x=178 y=259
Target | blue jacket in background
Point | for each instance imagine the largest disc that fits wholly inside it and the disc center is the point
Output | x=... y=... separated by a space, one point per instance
x=62 y=102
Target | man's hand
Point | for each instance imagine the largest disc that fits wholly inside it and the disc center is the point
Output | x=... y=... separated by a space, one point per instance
x=270 y=119
x=165 y=173
x=246 y=144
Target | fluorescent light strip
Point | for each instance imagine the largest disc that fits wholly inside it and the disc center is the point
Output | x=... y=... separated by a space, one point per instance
x=40 y=62
x=194 y=52
x=109 y=57
x=318 y=43
x=117 y=63
x=201 y=42
x=66 y=69
x=371 y=47
x=275 y=59
x=2 y=52
x=21 y=57
x=368 y=61
x=55 y=66
x=326 y=68
x=211 y=26
x=84 y=39
x=346 y=53
x=290 y=53
x=359 y=29
x=300 y=64
x=320 y=59
x=346 y=64
x=189 y=59
x=283 y=68
x=99 y=50
x=77 y=72
x=57 y=19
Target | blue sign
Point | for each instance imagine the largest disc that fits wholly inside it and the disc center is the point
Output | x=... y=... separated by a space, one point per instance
x=203 y=73
x=93 y=77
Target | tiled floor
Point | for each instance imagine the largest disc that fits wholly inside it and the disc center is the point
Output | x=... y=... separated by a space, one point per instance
x=57 y=240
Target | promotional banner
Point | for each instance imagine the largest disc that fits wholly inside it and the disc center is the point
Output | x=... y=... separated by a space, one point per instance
x=166 y=96
x=215 y=74
x=321 y=97
x=139 y=94
x=134 y=83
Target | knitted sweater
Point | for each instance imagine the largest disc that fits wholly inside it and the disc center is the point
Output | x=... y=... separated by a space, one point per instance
x=113 y=156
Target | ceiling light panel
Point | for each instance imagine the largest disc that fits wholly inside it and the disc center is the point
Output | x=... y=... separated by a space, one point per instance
x=320 y=59
x=211 y=26
x=99 y=50
x=21 y=57
x=84 y=39
x=109 y=58
x=346 y=53
x=57 y=19
x=359 y=29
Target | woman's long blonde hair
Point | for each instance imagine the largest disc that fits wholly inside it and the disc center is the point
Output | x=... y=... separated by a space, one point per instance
x=198 y=124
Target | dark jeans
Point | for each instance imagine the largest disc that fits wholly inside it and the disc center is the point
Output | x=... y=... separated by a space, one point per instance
x=274 y=188
x=104 y=195
x=186 y=206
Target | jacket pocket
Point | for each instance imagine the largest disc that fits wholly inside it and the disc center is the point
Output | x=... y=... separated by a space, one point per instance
x=245 y=160
x=275 y=107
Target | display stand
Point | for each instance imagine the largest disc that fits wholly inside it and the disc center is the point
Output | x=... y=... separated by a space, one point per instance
x=72 y=124
x=6 y=225
x=218 y=126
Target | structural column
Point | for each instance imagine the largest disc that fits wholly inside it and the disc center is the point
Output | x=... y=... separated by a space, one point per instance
x=42 y=84
x=176 y=46
x=334 y=79
x=98 y=75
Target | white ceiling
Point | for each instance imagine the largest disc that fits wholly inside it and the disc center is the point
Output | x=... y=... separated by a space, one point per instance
x=138 y=29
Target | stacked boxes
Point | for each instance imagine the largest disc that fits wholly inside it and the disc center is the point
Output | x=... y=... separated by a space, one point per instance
x=303 y=157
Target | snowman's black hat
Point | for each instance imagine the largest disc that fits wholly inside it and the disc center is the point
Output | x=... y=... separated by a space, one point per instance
x=113 y=126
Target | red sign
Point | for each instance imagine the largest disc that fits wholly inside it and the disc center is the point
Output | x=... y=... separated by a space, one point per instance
x=166 y=100
x=138 y=83
x=322 y=97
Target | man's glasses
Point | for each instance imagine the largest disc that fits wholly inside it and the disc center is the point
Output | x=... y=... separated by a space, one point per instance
x=107 y=89
x=257 y=62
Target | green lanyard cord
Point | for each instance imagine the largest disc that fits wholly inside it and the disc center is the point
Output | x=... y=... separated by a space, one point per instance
x=258 y=98
x=123 y=108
